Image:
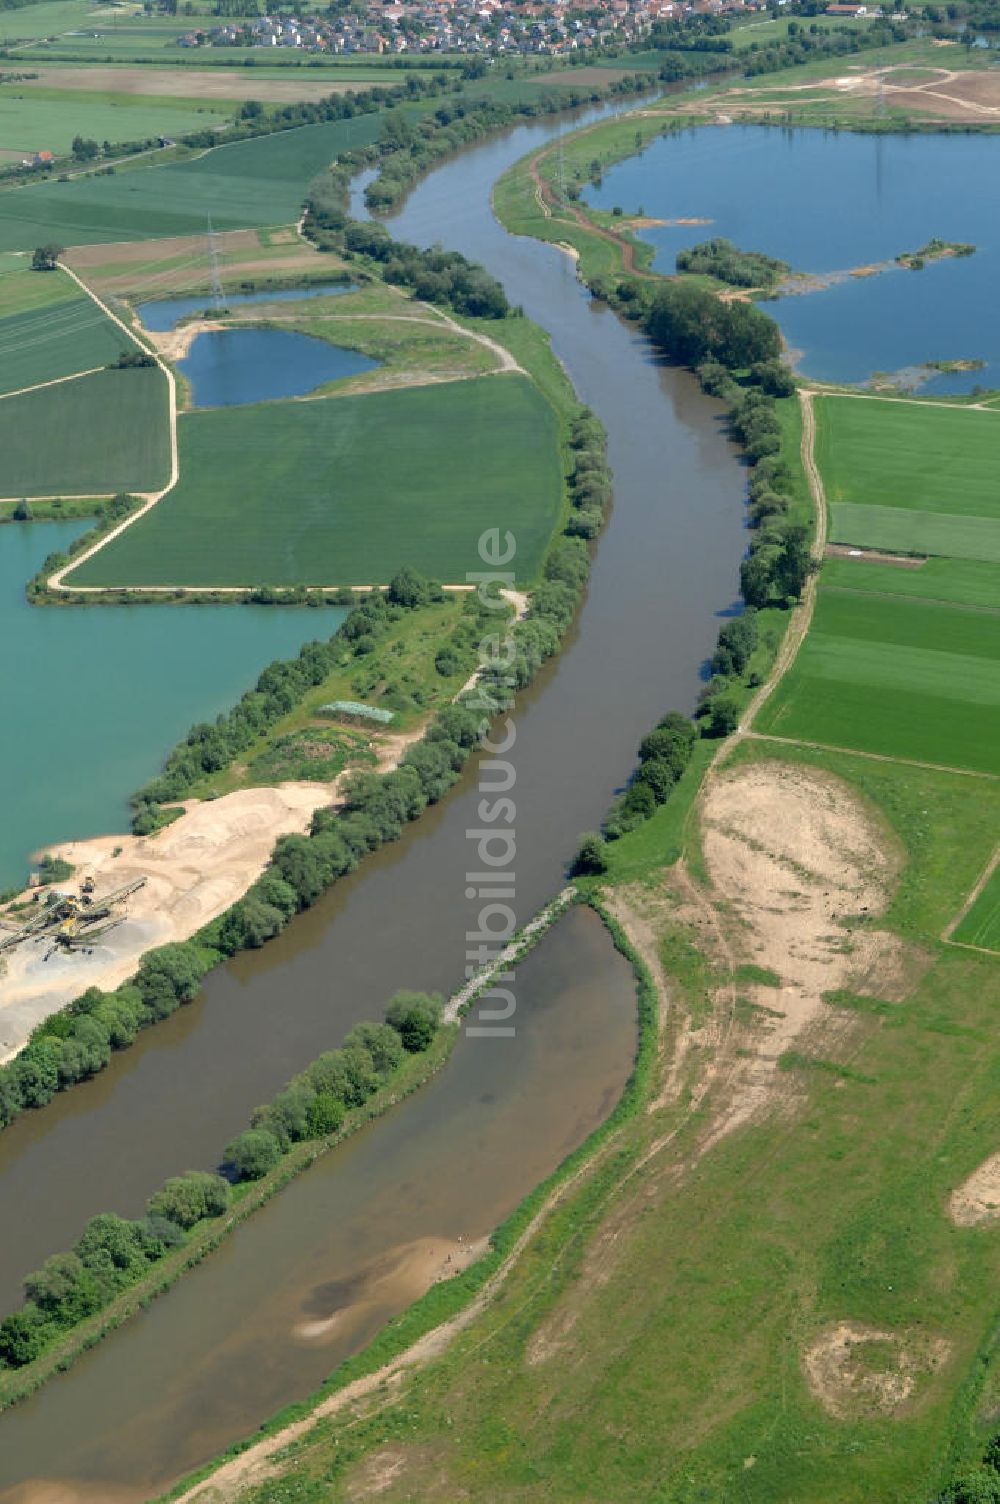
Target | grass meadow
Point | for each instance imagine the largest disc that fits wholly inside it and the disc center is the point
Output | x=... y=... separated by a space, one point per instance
x=35 y=119
x=981 y=925
x=902 y=678
x=101 y=434
x=344 y=490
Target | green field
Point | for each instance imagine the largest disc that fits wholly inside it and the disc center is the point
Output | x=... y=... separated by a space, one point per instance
x=35 y=119
x=101 y=434
x=897 y=530
x=345 y=490
x=32 y=21
x=981 y=925
x=902 y=678
x=911 y=455
x=969 y=582
x=258 y=182
x=59 y=340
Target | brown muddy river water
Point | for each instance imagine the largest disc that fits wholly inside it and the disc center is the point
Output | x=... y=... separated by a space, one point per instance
x=219 y=1353
x=312 y=1276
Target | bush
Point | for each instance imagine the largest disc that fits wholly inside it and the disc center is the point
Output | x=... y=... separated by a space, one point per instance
x=186 y=1199
x=250 y=1155
x=591 y=858
x=416 y=1017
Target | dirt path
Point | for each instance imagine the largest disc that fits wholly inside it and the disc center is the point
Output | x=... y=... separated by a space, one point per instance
x=22 y=391
x=906 y=762
x=987 y=873
x=818 y=390
x=55 y=581
x=547 y=201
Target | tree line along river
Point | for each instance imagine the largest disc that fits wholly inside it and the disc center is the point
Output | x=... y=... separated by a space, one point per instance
x=473 y=1143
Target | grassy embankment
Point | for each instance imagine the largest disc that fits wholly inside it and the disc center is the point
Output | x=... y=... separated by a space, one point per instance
x=804 y=95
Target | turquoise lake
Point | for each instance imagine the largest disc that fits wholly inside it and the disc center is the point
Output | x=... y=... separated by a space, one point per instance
x=230 y=367
x=95 y=697
x=828 y=201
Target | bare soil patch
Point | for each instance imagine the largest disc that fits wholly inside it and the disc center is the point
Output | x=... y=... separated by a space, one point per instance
x=159 y=268
x=978 y=1198
x=873 y=556
x=204 y=83
x=860 y=1371
x=801 y=868
x=84 y=258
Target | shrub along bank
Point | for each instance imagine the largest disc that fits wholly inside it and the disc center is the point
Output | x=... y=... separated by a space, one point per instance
x=735 y=350
x=114 y=1253
x=406 y=150
x=77 y=1042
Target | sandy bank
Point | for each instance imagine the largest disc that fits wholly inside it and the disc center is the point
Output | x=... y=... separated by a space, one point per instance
x=195 y=869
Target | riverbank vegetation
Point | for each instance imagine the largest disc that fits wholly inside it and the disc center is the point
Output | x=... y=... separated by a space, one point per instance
x=118 y=1265
x=720 y=259
x=935 y=249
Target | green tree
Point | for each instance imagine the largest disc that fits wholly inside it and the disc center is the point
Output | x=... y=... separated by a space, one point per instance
x=22 y=1337
x=408 y=588
x=186 y=1199
x=416 y=1017
x=250 y=1155
x=45 y=258
x=591 y=858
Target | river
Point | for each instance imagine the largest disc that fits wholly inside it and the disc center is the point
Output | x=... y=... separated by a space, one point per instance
x=665 y=570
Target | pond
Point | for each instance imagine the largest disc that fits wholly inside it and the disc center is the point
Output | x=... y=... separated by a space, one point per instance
x=166 y=313
x=229 y=367
x=833 y=202
x=99 y=694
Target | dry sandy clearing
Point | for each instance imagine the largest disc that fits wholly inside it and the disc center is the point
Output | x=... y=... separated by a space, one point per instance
x=793 y=854
x=856 y=1370
x=200 y=83
x=195 y=868
x=978 y=1198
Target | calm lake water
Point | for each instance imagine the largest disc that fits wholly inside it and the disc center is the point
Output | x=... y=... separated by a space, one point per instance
x=94 y=697
x=228 y=367
x=165 y=313
x=827 y=201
